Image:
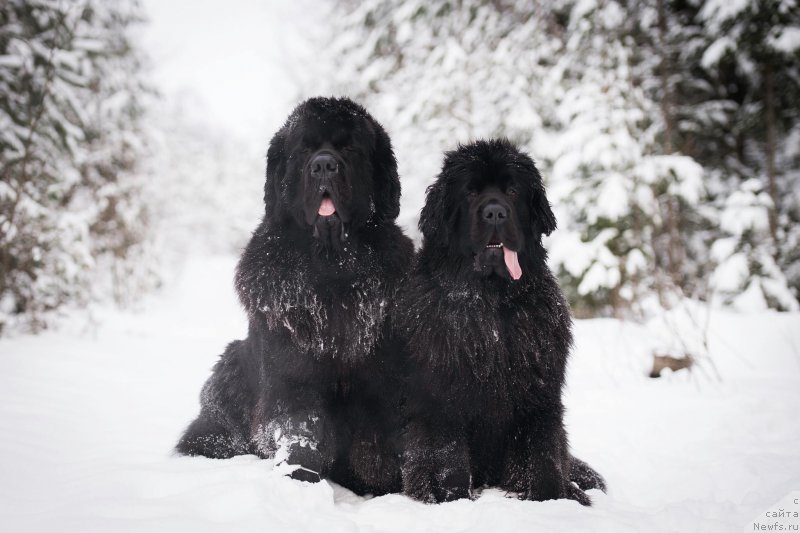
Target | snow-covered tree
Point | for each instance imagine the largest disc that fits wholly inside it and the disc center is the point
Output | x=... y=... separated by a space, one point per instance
x=749 y=63
x=71 y=210
x=441 y=72
x=624 y=197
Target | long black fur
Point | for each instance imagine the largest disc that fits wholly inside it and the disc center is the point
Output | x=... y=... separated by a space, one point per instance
x=312 y=384
x=486 y=355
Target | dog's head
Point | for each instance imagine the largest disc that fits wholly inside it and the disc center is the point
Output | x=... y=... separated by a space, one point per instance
x=488 y=206
x=331 y=170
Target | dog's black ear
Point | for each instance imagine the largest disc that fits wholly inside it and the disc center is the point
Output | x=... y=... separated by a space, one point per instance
x=387 y=181
x=541 y=211
x=432 y=220
x=276 y=168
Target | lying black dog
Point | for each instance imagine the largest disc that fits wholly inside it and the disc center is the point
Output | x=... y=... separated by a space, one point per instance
x=487 y=333
x=311 y=385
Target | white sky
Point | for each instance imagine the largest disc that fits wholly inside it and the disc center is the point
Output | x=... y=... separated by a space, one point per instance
x=238 y=62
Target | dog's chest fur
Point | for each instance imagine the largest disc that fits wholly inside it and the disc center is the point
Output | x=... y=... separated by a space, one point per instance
x=328 y=314
x=478 y=347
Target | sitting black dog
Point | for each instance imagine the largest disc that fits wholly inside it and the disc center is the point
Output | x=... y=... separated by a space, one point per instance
x=311 y=385
x=487 y=333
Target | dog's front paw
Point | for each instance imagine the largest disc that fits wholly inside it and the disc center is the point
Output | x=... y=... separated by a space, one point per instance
x=376 y=465
x=571 y=492
x=431 y=484
x=307 y=461
x=302 y=473
x=453 y=484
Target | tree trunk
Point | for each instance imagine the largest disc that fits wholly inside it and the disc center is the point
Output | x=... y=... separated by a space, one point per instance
x=675 y=251
x=769 y=82
x=663 y=70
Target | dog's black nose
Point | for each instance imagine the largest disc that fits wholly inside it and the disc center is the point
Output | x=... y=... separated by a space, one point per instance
x=494 y=213
x=323 y=165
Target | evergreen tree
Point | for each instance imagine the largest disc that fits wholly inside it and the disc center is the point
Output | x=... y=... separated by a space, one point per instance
x=625 y=197
x=70 y=200
x=746 y=66
x=441 y=72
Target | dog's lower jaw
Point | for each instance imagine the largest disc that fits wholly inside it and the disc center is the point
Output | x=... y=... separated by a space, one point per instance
x=485 y=269
x=331 y=232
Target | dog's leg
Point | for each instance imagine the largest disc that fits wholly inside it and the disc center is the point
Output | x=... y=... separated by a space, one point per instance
x=374 y=461
x=305 y=441
x=369 y=442
x=219 y=431
x=302 y=437
x=537 y=464
x=436 y=466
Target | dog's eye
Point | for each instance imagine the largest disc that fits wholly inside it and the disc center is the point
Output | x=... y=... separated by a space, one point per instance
x=472 y=195
x=512 y=192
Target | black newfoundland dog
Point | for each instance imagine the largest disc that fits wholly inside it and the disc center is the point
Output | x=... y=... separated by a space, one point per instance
x=487 y=333
x=311 y=384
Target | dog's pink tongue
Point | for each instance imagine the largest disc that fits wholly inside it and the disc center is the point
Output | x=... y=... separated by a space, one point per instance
x=512 y=263
x=326 y=207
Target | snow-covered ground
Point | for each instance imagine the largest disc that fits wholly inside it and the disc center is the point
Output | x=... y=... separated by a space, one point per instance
x=89 y=415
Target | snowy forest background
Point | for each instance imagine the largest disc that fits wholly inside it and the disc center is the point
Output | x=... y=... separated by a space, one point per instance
x=132 y=151
x=668 y=133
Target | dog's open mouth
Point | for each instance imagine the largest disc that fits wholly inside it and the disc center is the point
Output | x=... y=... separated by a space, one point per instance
x=510 y=257
x=326 y=207
x=329 y=225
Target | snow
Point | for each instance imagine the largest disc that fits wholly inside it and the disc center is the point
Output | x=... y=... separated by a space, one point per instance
x=787 y=40
x=89 y=416
x=716 y=51
x=598 y=276
x=612 y=200
x=752 y=298
x=744 y=210
x=731 y=273
x=686 y=174
x=715 y=12
x=591 y=260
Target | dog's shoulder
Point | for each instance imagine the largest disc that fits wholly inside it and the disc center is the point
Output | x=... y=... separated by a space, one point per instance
x=272 y=263
x=394 y=249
